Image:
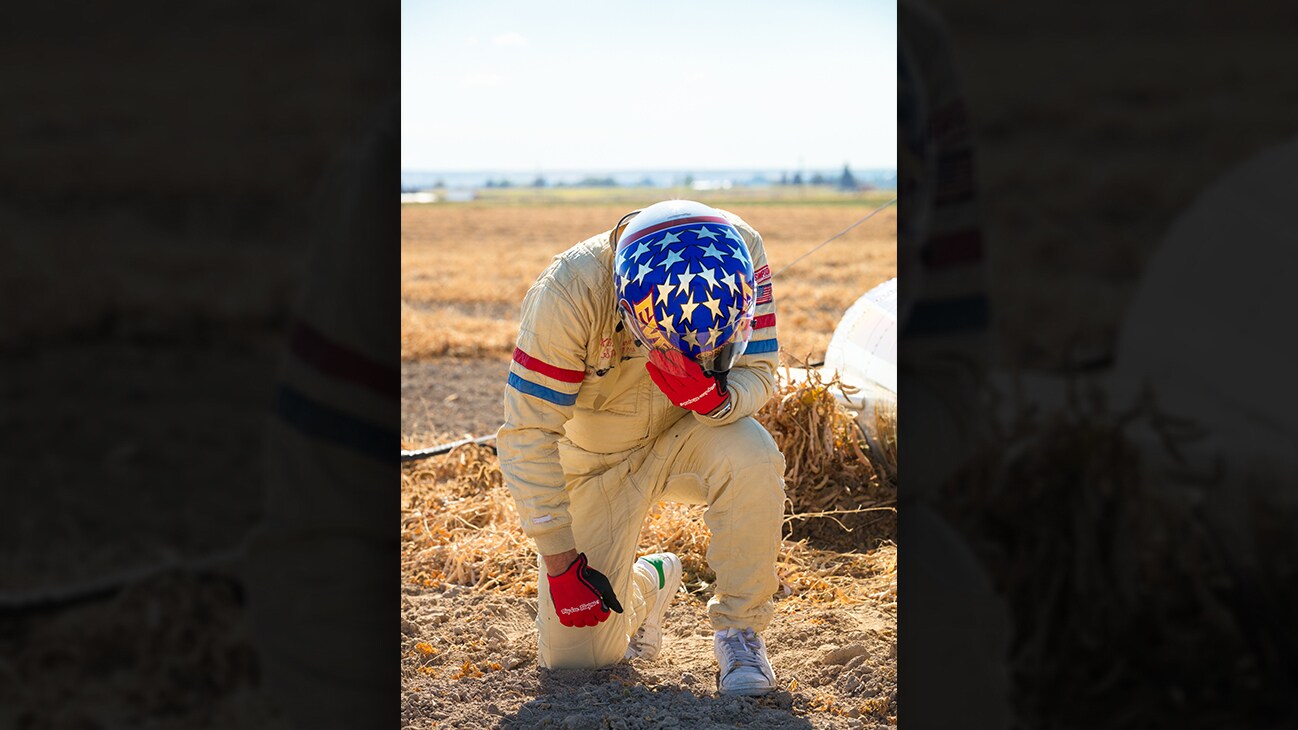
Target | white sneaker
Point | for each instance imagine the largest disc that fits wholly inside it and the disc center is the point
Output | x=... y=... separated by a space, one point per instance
x=665 y=570
x=744 y=668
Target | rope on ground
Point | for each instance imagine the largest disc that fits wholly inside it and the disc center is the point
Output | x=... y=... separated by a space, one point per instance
x=440 y=449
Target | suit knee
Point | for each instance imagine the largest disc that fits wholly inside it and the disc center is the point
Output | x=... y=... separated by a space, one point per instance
x=748 y=440
x=755 y=464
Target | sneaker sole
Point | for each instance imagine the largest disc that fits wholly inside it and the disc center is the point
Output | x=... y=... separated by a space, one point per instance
x=743 y=692
x=754 y=692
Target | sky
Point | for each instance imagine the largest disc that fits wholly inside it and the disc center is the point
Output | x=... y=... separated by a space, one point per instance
x=618 y=85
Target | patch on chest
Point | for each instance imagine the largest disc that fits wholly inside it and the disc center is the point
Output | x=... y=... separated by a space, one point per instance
x=608 y=352
x=603 y=356
x=629 y=347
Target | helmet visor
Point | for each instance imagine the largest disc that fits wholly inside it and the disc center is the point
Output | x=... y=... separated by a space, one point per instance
x=720 y=360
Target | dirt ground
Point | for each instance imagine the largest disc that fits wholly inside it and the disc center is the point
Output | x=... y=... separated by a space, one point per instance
x=836 y=667
x=450 y=398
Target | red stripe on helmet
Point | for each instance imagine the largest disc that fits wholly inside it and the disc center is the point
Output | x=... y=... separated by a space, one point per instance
x=545 y=368
x=672 y=224
x=766 y=320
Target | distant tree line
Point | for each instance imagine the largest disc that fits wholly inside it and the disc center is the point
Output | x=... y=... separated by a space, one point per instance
x=843 y=181
x=439 y=185
x=540 y=182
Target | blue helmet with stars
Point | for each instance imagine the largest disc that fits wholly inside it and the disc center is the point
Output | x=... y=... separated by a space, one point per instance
x=684 y=282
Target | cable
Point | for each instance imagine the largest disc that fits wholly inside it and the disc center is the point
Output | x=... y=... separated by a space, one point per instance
x=836 y=235
x=444 y=448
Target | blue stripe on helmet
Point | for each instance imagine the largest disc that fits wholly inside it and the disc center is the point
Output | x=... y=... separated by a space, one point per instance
x=761 y=346
x=542 y=392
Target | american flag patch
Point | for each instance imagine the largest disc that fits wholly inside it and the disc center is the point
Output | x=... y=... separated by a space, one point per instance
x=762 y=274
x=764 y=294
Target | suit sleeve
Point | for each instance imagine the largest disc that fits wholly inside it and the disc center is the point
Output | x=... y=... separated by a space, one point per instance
x=752 y=380
x=546 y=372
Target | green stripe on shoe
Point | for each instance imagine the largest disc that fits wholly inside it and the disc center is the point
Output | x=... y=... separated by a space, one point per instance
x=658 y=563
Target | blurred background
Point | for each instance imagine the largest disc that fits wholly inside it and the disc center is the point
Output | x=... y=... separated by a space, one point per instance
x=161 y=168
x=1119 y=453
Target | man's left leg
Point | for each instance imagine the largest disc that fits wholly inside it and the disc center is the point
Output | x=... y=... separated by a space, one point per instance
x=608 y=507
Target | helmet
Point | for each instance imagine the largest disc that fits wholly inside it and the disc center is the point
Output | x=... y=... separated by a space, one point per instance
x=685 y=284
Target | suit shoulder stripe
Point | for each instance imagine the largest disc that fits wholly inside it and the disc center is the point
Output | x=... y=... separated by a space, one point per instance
x=546 y=369
x=540 y=391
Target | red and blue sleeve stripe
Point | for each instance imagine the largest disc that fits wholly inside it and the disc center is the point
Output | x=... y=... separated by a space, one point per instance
x=539 y=379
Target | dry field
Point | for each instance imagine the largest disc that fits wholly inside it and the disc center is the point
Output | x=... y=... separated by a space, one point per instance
x=468 y=574
x=465 y=268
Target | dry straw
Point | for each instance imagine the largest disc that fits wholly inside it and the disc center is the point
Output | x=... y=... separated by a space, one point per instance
x=840 y=482
x=459 y=524
x=1119 y=567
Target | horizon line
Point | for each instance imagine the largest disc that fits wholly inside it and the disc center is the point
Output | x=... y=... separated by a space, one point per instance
x=635 y=169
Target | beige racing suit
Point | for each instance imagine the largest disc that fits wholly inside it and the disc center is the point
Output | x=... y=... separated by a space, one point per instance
x=589 y=444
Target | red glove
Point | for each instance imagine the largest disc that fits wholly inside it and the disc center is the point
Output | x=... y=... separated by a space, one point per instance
x=684 y=383
x=582 y=596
